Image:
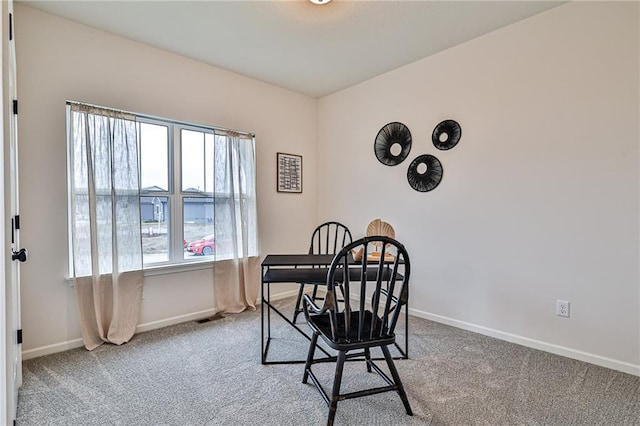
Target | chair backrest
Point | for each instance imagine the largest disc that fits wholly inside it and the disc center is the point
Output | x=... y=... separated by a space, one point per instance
x=329 y=238
x=383 y=274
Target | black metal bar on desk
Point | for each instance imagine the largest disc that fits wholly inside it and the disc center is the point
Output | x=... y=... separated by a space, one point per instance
x=307 y=268
x=292 y=260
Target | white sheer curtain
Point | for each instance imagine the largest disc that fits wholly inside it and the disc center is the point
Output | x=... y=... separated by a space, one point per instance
x=237 y=265
x=105 y=223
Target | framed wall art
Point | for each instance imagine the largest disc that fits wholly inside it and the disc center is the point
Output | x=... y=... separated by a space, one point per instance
x=289 y=178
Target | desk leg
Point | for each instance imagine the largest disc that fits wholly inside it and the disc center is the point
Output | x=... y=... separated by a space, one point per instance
x=406 y=331
x=262 y=315
x=268 y=311
x=267 y=302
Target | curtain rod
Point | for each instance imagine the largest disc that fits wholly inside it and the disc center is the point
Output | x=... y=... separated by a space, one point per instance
x=155 y=117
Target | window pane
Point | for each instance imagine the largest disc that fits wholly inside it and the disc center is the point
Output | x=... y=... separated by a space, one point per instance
x=154 y=212
x=127 y=209
x=198 y=226
x=197 y=161
x=82 y=235
x=208 y=163
x=154 y=157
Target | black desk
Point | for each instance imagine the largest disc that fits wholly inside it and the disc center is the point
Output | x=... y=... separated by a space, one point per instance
x=302 y=268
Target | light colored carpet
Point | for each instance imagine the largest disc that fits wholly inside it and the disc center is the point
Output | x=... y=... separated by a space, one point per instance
x=210 y=374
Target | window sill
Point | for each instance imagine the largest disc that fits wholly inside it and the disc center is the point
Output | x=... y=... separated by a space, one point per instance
x=175 y=268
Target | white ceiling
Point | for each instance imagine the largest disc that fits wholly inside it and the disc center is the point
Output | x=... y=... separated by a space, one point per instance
x=310 y=49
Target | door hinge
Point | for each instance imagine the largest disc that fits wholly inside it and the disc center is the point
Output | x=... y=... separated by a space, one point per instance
x=17 y=222
x=10 y=26
x=19 y=336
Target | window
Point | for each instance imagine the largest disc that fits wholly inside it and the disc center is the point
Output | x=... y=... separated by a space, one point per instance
x=183 y=185
x=176 y=194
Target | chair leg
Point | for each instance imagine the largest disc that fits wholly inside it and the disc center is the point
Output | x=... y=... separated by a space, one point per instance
x=335 y=394
x=312 y=349
x=298 y=309
x=367 y=358
x=396 y=379
x=314 y=295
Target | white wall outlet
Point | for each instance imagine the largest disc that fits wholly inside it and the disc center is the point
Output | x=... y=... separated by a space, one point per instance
x=562 y=308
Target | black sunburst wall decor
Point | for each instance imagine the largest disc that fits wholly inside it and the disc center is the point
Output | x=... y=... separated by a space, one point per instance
x=393 y=143
x=446 y=135
x=424 y=173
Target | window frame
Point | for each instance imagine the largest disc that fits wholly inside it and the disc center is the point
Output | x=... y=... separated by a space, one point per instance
x=176 y=260
x=175 y=193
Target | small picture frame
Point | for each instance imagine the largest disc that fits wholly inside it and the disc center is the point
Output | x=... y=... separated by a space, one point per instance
x=289 y=173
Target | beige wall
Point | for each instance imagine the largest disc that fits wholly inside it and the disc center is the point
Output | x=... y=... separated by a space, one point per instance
x=60 y=60
x=539 y=200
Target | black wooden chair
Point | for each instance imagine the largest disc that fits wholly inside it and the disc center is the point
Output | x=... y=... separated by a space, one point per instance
x=359 y=326
x=328 y=238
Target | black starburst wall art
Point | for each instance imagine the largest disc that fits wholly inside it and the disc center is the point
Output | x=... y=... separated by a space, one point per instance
x=424 y=173
x=446 y=135
x=392 y=144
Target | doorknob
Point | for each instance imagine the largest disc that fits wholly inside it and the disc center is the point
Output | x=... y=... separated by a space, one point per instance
x=20 y=255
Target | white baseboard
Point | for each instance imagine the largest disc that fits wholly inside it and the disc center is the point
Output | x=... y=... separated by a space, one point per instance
x=153 y=325
x=77 y=343
x=613 y=364
x=279 y=296
x=52 y=349
x=625 y=367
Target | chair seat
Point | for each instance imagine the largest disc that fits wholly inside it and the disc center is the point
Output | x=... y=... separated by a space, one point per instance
x=346 y=340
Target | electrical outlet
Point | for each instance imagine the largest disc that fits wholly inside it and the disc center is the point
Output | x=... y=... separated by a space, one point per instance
x=562 y=308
